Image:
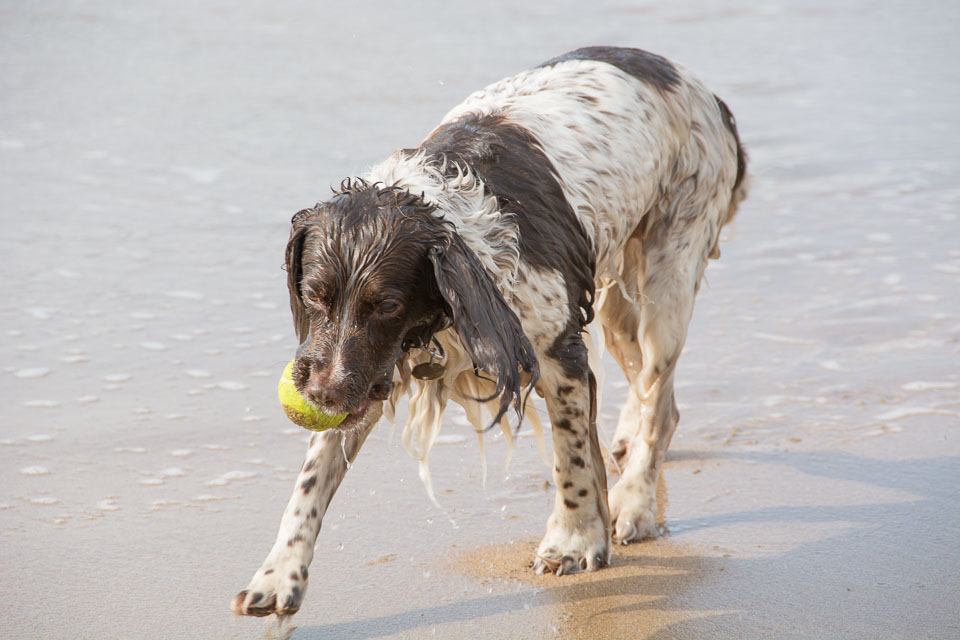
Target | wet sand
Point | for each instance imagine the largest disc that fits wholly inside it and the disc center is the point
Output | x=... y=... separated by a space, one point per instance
x=152 y=157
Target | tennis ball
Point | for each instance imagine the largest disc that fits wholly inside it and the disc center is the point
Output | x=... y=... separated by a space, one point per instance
x=299 y=410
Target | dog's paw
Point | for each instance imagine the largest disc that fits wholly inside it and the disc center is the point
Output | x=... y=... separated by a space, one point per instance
x=571 y=549
x=278 y=587
x=633 y=511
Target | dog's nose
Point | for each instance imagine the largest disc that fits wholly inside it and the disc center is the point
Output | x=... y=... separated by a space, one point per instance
x=381 y=390
x=328 y=396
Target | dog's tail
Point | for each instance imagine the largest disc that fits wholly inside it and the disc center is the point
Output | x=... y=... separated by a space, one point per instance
x=741 y=183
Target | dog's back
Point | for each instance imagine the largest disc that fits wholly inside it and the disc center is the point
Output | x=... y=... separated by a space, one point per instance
x=627 y=136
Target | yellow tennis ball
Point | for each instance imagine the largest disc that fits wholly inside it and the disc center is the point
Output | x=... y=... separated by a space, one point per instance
x=299 y=410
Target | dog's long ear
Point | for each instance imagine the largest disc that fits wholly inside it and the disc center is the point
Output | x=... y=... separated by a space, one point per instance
x=488 y=328
x=294 y=267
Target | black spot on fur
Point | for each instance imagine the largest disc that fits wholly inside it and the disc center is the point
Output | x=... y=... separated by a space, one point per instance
x=567 y=484
x=514 y=168
x=563 y=390
x=731 y=124
x=577 y=460
x=570 y=504
x=303 y=571
x=582 y=492
x=578 y=444
x=295 y=539
x=570 y=352
x=313 y=512
x=647 y=67
x=307 y=485
x=564 y=424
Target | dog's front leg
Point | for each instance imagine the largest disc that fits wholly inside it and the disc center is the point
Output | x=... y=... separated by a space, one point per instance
x=281 y=582
x=578 y=530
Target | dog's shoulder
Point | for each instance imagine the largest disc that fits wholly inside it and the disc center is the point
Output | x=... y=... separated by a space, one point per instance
x=514 y=169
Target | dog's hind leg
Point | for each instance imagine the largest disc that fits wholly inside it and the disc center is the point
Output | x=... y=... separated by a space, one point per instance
x=281 y=582
x=620 y=315
x=674 y=257
x=651 y=410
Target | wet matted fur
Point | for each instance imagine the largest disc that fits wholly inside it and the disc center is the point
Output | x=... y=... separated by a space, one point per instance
x=593 y=186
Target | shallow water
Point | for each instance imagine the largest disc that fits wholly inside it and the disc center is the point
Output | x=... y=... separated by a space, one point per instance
x=152 y=158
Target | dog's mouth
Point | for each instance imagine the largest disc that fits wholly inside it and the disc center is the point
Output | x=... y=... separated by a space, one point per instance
x=355 y=417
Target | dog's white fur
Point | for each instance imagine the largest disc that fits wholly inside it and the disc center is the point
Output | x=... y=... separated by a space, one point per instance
x=652 y=181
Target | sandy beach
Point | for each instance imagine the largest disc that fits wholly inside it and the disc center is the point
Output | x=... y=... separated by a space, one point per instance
x=152 y=155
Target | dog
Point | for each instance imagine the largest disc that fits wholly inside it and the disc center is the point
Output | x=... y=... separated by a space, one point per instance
x=468 y=268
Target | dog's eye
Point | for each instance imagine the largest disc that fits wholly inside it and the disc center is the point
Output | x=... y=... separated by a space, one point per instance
x=389 y=307
x=311 y=296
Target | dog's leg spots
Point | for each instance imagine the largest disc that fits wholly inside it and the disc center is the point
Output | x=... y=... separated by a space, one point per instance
x=578 y=530
x=627 y=427
x=577 y=536
x=281 y=582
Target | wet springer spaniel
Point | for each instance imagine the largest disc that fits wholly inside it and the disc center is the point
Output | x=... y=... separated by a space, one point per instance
x=468 y=268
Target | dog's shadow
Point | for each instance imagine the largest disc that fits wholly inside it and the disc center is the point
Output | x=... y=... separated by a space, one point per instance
x=657 y=590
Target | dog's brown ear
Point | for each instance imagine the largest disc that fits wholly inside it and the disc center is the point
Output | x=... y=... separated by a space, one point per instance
x=294 y=268
x=488 y=328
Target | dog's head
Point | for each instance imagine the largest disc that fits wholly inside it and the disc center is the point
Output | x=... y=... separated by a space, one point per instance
x=373 y=272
